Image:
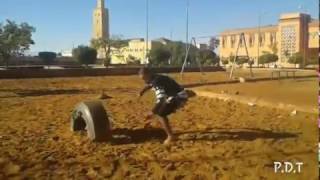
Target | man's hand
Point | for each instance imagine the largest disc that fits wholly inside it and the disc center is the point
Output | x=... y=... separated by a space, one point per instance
x=145 y=89
x=149 y=116
x=141 y=93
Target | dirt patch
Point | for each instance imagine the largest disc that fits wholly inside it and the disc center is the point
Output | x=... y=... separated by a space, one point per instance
x=217 y=139
x=300 y=94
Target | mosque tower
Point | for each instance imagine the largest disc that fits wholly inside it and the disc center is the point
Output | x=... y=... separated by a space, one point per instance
x=100 y=21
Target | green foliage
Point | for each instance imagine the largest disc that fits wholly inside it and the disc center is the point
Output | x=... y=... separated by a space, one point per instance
x=178 y=50
x=208 y=57
x=268 y=58
x=15 y=39
x=213 y=43
x=47 y=57
x=313 y=58
x=242 y=60
x=133 y=61
x=85 y=55
x=225 y=61
x=296 y=58
x=159 y=56
x=106 y=44
x=313 y=61
x=231 y=58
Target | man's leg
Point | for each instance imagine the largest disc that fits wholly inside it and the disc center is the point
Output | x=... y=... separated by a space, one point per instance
x=166 y=126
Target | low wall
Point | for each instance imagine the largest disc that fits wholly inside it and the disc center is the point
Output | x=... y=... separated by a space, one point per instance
x=47 y=73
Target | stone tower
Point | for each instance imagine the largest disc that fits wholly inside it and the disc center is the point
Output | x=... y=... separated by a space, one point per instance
x=100 y=21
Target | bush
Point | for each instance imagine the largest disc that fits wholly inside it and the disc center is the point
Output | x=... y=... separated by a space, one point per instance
x=85 y=55
x=268 y=58
x=296 y=59
x=47 y=57
x=159 y=56
x=313 y=61
x=242 y=60
x=231 y=58
x=133 y=61
x=224 y=61
x=208 y=57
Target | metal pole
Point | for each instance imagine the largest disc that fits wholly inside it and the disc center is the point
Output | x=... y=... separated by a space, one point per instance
x=147 y=31
x=187 y=27
x=259 y=34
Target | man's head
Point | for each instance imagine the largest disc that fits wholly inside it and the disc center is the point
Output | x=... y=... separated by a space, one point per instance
x=145 y=74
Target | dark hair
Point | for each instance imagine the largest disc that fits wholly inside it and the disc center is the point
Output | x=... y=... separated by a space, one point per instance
x=145 y=71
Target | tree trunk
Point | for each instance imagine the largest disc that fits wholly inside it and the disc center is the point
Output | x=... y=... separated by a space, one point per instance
x=251 y=73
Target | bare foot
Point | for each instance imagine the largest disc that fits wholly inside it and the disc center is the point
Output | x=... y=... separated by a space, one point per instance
x=148 y=125
x=169 y=140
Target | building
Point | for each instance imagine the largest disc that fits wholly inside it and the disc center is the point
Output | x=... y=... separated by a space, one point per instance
x=136 y=50
x=295 y=32
x=100 y=24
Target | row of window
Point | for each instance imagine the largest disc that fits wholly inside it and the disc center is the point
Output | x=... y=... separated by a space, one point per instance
x=250 y=40
x=134 y=50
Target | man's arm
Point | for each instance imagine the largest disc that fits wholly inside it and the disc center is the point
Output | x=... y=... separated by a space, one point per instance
x=145 y=89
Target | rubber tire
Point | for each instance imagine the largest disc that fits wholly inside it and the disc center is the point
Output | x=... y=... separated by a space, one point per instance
x=91 y=116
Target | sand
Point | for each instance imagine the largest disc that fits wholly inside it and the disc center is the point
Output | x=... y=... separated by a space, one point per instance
x=217 y=139
x=289 y=94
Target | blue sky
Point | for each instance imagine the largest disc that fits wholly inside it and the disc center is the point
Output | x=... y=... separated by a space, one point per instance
x=62 y=24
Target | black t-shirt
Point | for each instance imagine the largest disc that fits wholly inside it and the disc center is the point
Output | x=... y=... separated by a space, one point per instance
x=164 y=86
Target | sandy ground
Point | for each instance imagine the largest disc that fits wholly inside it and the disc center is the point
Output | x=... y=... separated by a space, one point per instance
x=301 y=94
x=217 y=139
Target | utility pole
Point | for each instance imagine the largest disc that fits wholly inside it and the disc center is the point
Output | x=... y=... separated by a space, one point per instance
x=259 y=34
x=147 y=32
x=171 y=48
x=187 y=26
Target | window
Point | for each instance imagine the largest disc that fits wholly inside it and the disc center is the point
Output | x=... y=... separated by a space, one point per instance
x=272 y=38
x=241 y=41
x=251 y=40
x=262 y=39
x=223 y=42
x=233 y=41
x=288 y=41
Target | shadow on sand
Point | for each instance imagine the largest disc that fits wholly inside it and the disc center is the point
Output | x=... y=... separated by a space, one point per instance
x=127 y=136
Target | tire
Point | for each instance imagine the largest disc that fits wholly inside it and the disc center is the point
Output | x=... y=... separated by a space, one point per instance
x=91 y=116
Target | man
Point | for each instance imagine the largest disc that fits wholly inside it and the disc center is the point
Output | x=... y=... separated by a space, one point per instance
x=169 y=94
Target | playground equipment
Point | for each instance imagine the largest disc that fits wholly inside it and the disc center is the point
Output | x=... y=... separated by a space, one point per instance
x=242 y=39
x=91 y=116
x=193 y=43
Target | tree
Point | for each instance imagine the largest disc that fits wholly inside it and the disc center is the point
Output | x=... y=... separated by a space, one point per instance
x=85 y=55
x=213 y=43
x=224 y=61
x=313 y=61
x=159 y=56
x=131 y=60
x=177 y=50
x=231 y=58
x=242 y=60
x=296 y=58
x=107 y=44
x=207 y=57
x=267 y=58
x=15 y=39
x=47 y=57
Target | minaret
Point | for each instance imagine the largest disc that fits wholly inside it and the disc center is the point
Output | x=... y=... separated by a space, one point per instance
x=100 y=21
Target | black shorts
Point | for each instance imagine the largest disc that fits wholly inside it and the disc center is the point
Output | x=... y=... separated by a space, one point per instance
x=165 y=108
